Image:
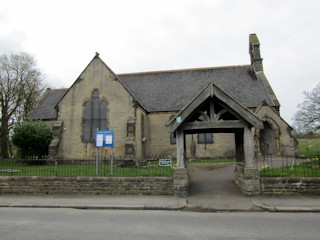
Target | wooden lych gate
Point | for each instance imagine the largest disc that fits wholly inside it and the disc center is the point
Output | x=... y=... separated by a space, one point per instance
x=214 y=111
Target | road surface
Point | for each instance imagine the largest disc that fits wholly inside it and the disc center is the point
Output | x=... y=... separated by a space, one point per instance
x=40 y=223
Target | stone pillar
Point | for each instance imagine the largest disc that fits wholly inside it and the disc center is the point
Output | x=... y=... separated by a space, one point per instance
x=180 y=148
x=180 y=176
x=249 y=179
x=180 y=182
x=257 y=150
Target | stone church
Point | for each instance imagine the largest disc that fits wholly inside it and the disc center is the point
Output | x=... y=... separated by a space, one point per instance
x=139 y=108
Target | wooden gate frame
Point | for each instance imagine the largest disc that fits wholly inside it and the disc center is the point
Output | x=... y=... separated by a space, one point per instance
x=243 y=128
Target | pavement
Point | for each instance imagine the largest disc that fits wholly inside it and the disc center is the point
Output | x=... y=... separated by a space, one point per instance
x=211 y=190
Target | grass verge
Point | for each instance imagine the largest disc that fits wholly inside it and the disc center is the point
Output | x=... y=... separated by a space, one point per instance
x=214 y=160
x=310 y=168
x=8 y=168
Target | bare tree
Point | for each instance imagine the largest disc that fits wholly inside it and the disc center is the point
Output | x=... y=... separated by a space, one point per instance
x=21 y=84
x=307 y=119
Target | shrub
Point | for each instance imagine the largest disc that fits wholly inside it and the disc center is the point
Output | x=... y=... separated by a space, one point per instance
x=32 y=138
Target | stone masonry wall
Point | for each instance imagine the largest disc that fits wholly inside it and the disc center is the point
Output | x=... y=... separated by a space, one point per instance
x=158 y=140
x=158 y=137
x=290 y=186
x=223 y=146
x=247 y=179
x=87 y=185
x=287 y=143
x=139 y=139
x=97 y=76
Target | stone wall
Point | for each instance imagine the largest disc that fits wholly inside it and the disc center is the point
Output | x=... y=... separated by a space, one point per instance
x=158 y=137
x=223 y=146
x=247 y=179
x=120 y=107
x=87 y=185
x=180 y=182
x=286 y=144
x=158 y=140
x=140 y=135
x=290 y=186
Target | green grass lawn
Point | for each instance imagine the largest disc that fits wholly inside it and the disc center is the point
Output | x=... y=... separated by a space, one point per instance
x=309 y=147
x=76 y=170
x=152 y=168
x=310 y=168
x=213 y=160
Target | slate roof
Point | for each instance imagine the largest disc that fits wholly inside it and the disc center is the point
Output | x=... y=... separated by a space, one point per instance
x=46 y=109
x=172 y=90
x=166 y=91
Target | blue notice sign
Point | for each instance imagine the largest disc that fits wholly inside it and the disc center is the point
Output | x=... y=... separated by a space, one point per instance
x=104 y=138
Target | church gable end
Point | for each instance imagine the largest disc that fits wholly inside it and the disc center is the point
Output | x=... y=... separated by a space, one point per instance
x=96 y=101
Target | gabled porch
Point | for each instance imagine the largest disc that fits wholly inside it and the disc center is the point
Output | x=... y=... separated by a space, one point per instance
x=214 y=111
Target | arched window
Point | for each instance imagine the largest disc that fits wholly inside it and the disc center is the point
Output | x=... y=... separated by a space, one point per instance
x=87 y=122
x=94 y=117
x=103 y=115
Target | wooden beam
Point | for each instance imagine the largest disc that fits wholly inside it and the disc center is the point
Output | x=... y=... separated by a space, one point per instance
x=248 y=148
x=212 y=110
x=227 y=102
x=208 y=125
x=189 y=109
x=180 y=141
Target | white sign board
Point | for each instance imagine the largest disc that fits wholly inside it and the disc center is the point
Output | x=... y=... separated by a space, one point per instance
x=108 y=139
x=104 y=138
x=99 y=140
x=165 y=162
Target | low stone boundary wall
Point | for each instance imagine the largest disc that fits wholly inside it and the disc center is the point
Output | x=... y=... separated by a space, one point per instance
x=270 y=185
x=247 y=179
x=180 y=182
x=87 y=185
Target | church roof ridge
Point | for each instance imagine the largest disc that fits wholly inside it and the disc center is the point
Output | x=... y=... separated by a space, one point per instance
x=182 y=70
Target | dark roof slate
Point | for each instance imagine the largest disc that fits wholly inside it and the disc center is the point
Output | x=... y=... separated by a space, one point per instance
x=166 y=91
x=46 y=109
x=172 y=90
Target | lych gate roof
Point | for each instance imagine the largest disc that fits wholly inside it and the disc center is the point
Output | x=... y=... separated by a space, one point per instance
x=46 y=109
x=214 y=116
x=172 y=90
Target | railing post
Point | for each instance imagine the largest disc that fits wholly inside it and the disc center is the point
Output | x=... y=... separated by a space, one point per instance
x=11 y=167
x=56 y=167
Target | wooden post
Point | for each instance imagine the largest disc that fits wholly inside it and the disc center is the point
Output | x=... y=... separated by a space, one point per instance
x=248 y=148
x=239 y=146
x=180 y=148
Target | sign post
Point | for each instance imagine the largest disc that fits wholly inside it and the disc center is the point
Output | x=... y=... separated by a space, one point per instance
x=104 y=138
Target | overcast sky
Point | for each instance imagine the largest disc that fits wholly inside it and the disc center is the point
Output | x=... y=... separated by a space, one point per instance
x=147 y=35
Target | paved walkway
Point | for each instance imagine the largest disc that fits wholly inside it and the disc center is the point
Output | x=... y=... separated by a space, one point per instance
x=211 y=185
x=211 y=189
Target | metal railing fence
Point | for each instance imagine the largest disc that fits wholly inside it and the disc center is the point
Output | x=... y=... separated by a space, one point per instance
x=79 y=168
x=286 y=166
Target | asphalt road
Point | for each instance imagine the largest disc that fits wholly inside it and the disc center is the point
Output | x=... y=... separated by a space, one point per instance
x=37 y=223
